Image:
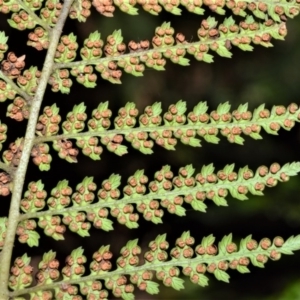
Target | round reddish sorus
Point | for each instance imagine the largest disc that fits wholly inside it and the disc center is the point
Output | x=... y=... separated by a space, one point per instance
x=121 y=280
x=156 y=41
x=159 y=176
x=178 y=200
x=262 y=6
x=233 y=264
x=289 y=123
x=275 y=167
x=200 y=179
x=293 y=11
x=234 y=28
x=236 y=114
x=146 y=275
x=116 y=74
x=153 y=186
x=188 y=253
x=139 y=68
x=211 y=267
x=133 y=261
x=133 y=46
x=54 y=274
x=263 y=171
x=244 y=261
x=226 y=117
x=242 y=189
x=211 y=178
x=259 y=186
x=122 y=219
x=262 y=258
x=292 y=108
x=213 y=131
x=232 y=176
x=129 y=288
x=210 y=194
x=271 y=181
x=278 y=241
x=247 y=174
x=244 y=25
x=189 y=198
x=232 y=247
x=274 y=255
x=211 y=250
x=148 y=144
x=242 y=5
x=265 y=243
x=223 y=265
x=247 y=130
x=202 y=33
x=266 y=37
x=194 y=278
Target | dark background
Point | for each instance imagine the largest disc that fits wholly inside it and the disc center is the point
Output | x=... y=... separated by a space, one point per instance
x=268 y=76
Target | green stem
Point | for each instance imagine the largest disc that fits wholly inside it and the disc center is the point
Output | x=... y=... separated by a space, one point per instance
x=19 y=178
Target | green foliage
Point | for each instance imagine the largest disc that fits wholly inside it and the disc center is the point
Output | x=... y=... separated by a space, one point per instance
x=77 y=210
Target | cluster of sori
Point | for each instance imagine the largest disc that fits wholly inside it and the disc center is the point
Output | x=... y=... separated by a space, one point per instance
x=21 y=272
x=80 y=10
x=38 y=39
x=6 y=91
x=18 y=109
x=12 y=156
x=50 y=12
x=34 y=200
x=66 y=49
x=104 y=7
x=13 y=65
x=26 y=86
x=48 y=122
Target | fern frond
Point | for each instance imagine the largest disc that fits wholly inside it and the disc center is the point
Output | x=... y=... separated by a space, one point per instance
x=165 y=191
x=195 y=262
x=164 y=130
x=165 y=46
x=261 y=9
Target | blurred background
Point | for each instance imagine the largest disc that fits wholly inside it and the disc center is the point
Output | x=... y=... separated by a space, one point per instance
x=269 y=76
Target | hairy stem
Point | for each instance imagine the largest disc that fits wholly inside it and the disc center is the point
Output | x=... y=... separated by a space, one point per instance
x=19 y=178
